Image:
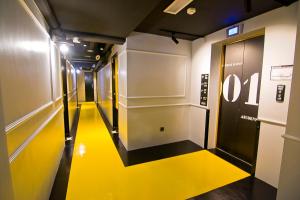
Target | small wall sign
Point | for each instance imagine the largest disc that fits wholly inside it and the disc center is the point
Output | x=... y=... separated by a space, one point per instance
x=279 y=73
x=204 y=89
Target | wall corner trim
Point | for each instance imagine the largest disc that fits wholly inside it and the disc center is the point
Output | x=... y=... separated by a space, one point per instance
x=291 y=137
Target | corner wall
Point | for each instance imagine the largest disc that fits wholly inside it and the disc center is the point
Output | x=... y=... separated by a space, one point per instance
x=280 y=33
x=31 y=98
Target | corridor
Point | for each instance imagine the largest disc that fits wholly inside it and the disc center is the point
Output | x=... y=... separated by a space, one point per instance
x=97 y=171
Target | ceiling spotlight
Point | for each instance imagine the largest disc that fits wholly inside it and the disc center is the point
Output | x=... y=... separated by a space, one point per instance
x=88 y=56
x=85 y=45
x=76 y=40
x=174 y=38
x=101 y=49
x=78 y=71
x=90 y=50
x=191 y=11
x=97 y=57
x=64 y=48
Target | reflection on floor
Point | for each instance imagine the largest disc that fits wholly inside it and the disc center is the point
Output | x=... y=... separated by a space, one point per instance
x=98 y=172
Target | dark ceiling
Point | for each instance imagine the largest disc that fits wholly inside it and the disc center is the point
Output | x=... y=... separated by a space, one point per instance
x=211 y=15
x=100 y=23
x=106 y=17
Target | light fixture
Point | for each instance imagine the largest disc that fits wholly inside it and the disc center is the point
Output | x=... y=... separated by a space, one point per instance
x=85 y=45
x=191 y=11
x=76 y=40
x=87 y=56
x=176 y=6
x=64 y=48
x=101 y=49
x=78 y=71
x=90 y=50
x=97 y=57
x=174 y=38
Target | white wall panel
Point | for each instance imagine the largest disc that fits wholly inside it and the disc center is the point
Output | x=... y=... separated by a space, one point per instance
x=156 y=75
x=24 y=72
x=56 y=73
x=105 y=91
x=144 y=126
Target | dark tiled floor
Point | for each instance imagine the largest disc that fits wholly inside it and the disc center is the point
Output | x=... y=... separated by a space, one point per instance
x=60 y=186
x=246 y=189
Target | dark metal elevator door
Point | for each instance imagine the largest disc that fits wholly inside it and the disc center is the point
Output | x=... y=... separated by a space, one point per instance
x=238 y=126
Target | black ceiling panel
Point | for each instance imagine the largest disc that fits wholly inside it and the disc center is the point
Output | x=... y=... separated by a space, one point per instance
x=115 y=18
x=211 y=15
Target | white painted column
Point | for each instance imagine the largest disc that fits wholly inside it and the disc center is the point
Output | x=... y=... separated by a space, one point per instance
x=289 y=182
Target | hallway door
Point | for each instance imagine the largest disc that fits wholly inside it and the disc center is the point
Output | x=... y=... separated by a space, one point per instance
x=238 y=126
x=89 y=86
x=115 y=91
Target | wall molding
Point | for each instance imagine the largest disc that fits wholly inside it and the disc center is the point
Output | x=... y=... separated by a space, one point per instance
x=158 y=53
x=13 y=156
x=272 y=122
x=291 y=137
x=163 y=105
x=21 y=120
x=199 y=106
x=165 y=54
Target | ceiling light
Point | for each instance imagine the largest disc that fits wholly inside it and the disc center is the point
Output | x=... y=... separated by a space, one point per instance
x=76 y=40
x=101 y=49
x=64 y=48
x=177 y=6
x=78 y=71
x=84 y=45
x=87 y=56
x=191 y=11
x=174 y=38
x=90 y=50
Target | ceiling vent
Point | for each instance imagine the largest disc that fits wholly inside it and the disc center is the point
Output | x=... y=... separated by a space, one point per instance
x=177 y=6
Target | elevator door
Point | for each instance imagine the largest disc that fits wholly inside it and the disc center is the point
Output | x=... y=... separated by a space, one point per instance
x=238 y=126
x=89 y=86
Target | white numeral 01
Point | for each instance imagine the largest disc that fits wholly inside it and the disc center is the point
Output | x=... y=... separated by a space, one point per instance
x=252 y=98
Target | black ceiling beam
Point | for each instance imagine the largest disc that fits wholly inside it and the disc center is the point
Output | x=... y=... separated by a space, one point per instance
x=94 y=37
x=181 y=33
x=248 y=5
x=49 y=14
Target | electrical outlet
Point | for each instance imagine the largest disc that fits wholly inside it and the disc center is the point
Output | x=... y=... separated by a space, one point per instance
x=162 y=129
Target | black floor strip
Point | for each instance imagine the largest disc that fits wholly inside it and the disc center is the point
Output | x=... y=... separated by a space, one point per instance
x=249 y=188
x=60 y=186
x=151 y=153
x=244 y=166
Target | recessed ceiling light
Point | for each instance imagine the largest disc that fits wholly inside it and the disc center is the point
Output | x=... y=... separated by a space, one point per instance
x=84 y=45
x=191 y=11
x=177 y=6
x=76 y=40
x=88 y=56
x=90 y=50
x=101 y=49
x=64 y=48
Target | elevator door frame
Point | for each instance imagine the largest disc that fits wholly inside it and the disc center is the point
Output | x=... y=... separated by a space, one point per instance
x=229 y=41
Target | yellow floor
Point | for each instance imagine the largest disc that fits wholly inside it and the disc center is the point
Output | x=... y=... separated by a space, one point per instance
x=97 y=171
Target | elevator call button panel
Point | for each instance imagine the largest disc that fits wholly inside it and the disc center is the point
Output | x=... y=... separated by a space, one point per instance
x=280 y=93
x=204 y=90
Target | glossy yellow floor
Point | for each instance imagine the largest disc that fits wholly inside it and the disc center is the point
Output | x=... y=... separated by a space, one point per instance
x=97 y=171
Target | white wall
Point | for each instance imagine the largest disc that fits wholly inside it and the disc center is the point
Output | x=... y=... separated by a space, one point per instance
x=104 y=92
x=31 y=109
x=280 y=34
x=154 y=90
x=290 y=173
